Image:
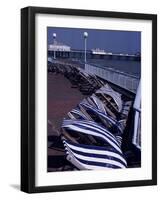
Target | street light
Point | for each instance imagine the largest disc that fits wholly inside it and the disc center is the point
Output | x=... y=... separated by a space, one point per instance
x=85 y=46
x=54 y=38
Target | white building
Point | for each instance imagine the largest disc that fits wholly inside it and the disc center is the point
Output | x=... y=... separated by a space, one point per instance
x=98 y=51
x=58 y=47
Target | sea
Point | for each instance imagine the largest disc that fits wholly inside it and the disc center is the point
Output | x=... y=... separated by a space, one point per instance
x=131 y=67
x=127 y=66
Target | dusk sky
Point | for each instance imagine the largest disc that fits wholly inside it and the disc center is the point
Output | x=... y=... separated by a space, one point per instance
x=111 y=41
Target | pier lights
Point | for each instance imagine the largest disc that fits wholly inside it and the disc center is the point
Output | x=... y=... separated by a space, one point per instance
x=85 y=46
x=54 y=38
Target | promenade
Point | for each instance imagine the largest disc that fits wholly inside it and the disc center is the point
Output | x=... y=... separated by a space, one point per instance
x=61 y=99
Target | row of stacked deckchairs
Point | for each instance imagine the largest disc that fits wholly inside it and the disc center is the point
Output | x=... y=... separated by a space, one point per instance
x=85 y=82
x=92 y=132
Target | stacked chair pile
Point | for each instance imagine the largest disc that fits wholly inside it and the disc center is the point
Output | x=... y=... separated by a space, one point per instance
x=92 y=132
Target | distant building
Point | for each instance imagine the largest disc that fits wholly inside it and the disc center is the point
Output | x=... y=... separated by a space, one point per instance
x=58 y=47
x=98 y=51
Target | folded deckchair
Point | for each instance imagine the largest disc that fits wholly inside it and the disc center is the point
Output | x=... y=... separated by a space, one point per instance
x=107 y=90
x=77 y=114
x=86 y=127
x=88 y=157
x=107 y=120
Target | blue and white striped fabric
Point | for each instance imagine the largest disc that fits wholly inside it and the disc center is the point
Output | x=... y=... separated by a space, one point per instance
x=108 y=119
x=106 y=89
x=71 y=116
x=93 y=157
x=98 y=103
x=93 y=129
x=77 y=112
x=105 y=131
x=119 y=139
x=95 y=102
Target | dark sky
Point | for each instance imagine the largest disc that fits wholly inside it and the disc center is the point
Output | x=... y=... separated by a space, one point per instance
x=111 y=41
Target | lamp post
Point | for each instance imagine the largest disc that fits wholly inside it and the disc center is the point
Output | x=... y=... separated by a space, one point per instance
x=85 y=46
x=54 y=38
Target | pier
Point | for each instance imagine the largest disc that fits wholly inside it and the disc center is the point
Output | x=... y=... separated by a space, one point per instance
x=79 y=54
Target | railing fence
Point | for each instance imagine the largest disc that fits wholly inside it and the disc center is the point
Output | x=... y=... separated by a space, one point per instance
x=126 y=81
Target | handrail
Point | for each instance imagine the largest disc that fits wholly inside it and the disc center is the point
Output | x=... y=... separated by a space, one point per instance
x=122 y=79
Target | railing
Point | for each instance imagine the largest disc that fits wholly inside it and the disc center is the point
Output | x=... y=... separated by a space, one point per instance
x=124 y=80
x=137 y=119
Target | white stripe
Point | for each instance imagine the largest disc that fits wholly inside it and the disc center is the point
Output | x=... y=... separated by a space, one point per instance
x=70 y=115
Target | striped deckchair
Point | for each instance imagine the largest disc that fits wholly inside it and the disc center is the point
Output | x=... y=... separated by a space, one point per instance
x=108 y=121
x=86 y=157
x=95 y=102
x=126 y=108
x=106 y=89
x=92 y=157
x=77 y=114
x=92 y=128
x=98 y=103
